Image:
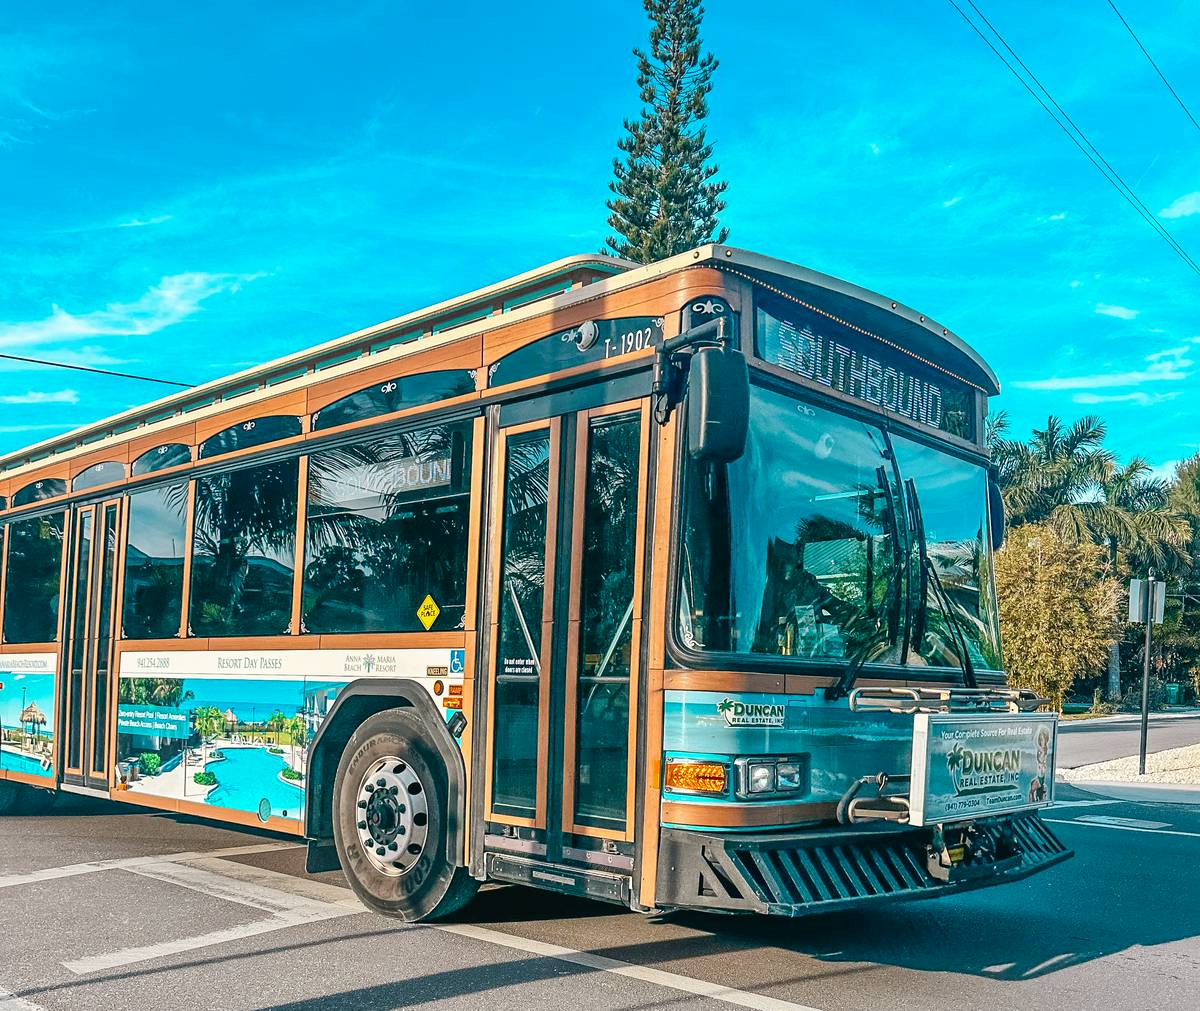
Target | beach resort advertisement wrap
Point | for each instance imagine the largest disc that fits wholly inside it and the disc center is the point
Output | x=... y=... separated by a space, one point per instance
x=232 y=730
x=27 y=713
x=966 y=767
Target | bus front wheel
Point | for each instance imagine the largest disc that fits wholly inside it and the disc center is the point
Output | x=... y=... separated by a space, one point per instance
x=390 y=808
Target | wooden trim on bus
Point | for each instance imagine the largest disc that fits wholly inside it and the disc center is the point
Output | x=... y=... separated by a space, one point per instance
x=207 y=811
x=189 y=536
x=183 y=434
x=466 y=354
x=762 y=815
x=475 y=524
x=74 y=734
x=296 y=624
x=290 y=404
x=118 y=619
x=724 y=681
x=102 y=512
x=5 y=537
x=341 y=641
x=13 y=776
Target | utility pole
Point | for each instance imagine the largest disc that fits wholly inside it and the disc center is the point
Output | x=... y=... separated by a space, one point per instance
x=1144 y=607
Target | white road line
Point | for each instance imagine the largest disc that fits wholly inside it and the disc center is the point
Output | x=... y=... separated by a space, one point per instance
x=1081 y=803
x=1121 y=828
x=130 y=956
x=296 y=901
x=1108 y=819
x=300 y=903
x=126 y=863
x=11 y=1002
x=685 y=984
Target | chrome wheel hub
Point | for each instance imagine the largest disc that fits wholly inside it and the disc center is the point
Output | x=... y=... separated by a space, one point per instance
x=392 y=816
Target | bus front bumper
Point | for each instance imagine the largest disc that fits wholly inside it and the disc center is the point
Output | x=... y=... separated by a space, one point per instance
x=798 y=873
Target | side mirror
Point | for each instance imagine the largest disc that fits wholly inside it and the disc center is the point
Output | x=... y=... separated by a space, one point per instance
x=995 y=510
x=718 y=405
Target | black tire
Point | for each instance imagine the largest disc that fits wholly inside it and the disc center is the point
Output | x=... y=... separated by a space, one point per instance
x=431 y=886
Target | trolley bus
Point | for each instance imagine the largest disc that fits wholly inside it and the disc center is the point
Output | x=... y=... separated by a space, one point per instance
x=666 y=585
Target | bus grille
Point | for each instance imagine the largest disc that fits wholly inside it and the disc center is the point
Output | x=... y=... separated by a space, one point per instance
x=821 y=871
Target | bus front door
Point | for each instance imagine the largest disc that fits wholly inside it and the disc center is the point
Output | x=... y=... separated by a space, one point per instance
x=564 y=643
x=87 y=645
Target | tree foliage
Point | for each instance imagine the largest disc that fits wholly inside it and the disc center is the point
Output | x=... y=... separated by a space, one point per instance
x=665 y=196
x=1059 y=612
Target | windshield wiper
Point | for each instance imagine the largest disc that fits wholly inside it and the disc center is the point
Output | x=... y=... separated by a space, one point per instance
x=890 y=593
x=930 y=577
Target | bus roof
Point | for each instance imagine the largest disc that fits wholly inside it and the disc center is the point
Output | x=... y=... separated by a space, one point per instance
x=524 y=295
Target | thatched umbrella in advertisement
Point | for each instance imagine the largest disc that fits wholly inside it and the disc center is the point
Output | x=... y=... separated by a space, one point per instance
x=32 y=717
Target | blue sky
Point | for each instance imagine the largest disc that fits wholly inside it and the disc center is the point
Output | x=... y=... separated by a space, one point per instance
x=189 y=190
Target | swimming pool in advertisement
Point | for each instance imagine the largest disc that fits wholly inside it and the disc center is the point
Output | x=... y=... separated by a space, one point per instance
x=245 y=776
x=15 y=761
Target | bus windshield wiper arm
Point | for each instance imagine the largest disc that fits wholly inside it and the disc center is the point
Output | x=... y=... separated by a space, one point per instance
x=930 y=577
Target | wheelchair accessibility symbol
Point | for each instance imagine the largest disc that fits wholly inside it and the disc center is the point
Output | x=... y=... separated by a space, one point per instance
x=458 y=662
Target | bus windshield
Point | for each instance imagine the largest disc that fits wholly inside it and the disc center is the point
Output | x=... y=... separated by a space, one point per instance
x=801 y=547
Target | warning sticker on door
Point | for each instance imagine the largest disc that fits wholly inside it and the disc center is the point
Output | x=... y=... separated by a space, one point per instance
x=428 y=612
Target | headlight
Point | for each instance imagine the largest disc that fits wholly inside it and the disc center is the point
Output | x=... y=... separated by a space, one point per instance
x=759 y=778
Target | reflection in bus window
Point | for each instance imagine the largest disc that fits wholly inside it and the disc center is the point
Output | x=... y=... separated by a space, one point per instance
x=790 y=550
x=519 y=649
x=154 y=562
x=98 y=474
x=38 y=491
x=243 y=553
x=35 y=548
x=161 y=457
x=610 y=521
x=387 y=527
x=395 y=395
x=953 y=498
x=246 y=434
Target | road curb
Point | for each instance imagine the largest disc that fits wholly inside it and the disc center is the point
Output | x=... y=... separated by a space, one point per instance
x=1144 y=793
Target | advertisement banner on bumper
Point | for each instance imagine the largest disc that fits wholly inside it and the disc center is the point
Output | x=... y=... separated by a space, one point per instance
x=967 y=767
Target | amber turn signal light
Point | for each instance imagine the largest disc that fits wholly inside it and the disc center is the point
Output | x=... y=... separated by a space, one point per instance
x=686 y=775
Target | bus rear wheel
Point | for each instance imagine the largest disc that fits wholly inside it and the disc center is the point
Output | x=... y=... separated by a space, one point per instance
x=390 y=806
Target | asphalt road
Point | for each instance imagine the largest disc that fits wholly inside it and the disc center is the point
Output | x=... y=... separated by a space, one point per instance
x=1085 y=742
x=106 y=907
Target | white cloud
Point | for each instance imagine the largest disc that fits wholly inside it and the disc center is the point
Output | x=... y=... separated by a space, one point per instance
x=1164 y=471
x=41 y=397
x=1170 y=365
x=1184 y=207
x=1141 y=398
x=1119 y=311
x=875 y=150
x=1076 y=284
x=951 y=202
x=173 y=299
x=143 y=222
x=1060 y=216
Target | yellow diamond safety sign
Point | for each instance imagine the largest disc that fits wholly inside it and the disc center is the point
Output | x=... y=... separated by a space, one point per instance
x=428 y=612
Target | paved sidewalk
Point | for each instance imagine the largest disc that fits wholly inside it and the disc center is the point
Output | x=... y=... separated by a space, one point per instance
x=1139 y=793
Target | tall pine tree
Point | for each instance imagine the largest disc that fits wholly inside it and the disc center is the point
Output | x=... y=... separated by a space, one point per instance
x=665 y=199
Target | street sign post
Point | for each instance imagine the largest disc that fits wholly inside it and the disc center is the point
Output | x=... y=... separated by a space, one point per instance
x=1147 y=602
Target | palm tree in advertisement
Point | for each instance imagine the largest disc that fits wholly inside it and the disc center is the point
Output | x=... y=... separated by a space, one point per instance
x=278 y=723
x=297 y=729
x=208 y=721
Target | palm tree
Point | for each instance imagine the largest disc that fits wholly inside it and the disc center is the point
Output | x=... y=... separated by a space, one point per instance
x=297 y=730
x=277 y=723
x=208 y=721
x=1064 y=476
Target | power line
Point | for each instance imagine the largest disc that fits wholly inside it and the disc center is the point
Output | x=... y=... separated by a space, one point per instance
x=1187 y=112
x=99 y=372
x=1085 y=146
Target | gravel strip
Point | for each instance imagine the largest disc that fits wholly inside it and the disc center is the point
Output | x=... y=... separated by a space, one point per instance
x=1179 y=766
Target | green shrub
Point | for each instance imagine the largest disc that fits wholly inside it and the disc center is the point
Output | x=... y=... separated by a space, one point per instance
x=1132 y=699
x=1099 y=706
x=149 y=763
x=291 y=773
x=205 y=779
x=275 y=751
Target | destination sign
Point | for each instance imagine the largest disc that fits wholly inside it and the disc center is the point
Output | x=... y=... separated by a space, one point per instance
x=833 y=355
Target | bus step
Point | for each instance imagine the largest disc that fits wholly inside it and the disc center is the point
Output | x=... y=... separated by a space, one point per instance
x=555 y=877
